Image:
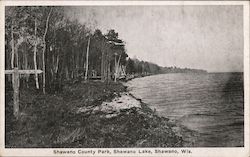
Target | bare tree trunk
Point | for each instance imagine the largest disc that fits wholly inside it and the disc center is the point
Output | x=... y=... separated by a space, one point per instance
x=26 y=67
x=72 y=66
x=77 y=63
x=16 y=58
x=102 y=66
x=52 y=68
x=57 y=64
x=117 y=67
x=67 y=73
x=12 y=47
x=16 y=55
x=108 y=75
x=35 y=52
x=44 y=49
x=105 y=66
x=16 y=84
x=72 y=74
x=87 y=61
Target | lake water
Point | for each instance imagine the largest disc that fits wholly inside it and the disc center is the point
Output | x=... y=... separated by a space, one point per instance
x=207 y=108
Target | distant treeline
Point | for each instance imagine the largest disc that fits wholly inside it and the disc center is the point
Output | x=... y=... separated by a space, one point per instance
x=134 y=66
x=181 y=70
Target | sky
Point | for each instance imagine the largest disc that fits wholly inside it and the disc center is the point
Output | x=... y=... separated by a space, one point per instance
x=201 y=37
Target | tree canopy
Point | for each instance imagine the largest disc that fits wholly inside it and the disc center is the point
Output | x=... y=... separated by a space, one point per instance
x=32 y=30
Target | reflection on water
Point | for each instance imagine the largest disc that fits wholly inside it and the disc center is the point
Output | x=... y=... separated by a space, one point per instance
x=208 y=108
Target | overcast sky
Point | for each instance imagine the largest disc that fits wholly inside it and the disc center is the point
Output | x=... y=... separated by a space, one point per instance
x=204 y=37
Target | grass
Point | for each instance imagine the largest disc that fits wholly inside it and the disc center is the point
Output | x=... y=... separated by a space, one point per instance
x=51 y=121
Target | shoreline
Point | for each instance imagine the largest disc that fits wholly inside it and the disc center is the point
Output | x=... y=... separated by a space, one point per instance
x=88 y=115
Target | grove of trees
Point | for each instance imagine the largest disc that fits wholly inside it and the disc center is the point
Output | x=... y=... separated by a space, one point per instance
x=45 y=38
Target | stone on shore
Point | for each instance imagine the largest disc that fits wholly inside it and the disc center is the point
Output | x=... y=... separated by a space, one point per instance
x=124 y=102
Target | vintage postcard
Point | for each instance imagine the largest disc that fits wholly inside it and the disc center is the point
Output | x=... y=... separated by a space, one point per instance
x=124 y=78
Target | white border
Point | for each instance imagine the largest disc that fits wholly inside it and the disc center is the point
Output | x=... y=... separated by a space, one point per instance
x=204 y=152
x=103 y=3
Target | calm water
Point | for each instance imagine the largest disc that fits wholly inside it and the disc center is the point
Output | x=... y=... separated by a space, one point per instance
x=207 y=108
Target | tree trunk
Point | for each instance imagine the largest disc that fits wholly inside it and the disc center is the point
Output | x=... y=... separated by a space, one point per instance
x=12 y=47
x=57 y=64
x=15 y=84
x=16 y=58
x=35 y=52
x=14 y=52
x=72 y=66
x=102 y=66
x=105 y=66
x=44 y=49
x=66 y=73
x=77 y=63
x=117 y=67
x=26 y=67
x=108 y=75
x=87 y=61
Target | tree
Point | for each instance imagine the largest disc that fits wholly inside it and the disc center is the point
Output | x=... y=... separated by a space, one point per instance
x=48 y=39
x=44 y=49
x=130 y=68
x=87 y=60
x=35 y=52
x=117 y=53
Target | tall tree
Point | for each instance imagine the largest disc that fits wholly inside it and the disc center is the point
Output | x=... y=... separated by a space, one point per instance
x=44 y=49
x=87 y=60
x=35 y=54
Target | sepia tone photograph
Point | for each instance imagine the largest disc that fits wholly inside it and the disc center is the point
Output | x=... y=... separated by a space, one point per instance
x=124 y=76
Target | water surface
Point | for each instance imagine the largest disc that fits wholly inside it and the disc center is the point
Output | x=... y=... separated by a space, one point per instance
x=208 y=108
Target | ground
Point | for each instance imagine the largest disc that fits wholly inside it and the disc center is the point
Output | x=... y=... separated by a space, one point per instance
x=85 y=115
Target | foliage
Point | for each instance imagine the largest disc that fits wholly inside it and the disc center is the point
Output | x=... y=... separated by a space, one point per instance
x=66 y=46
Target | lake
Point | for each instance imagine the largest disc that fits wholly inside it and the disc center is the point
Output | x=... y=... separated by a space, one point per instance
x=207 y=108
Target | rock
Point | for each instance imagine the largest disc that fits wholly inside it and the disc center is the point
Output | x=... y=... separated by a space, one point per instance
x=111 y=115
x=125 y=101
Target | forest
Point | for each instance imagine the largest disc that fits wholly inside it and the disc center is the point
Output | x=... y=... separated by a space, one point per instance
x=60 y=60
x=46 y=38
x=52 y=98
